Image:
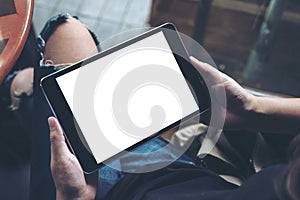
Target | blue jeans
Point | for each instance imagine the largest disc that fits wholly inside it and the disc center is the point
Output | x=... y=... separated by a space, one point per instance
x=24 y=112
x=109 y=176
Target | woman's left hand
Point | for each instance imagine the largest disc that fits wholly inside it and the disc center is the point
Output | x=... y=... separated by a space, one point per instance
x=67 y=173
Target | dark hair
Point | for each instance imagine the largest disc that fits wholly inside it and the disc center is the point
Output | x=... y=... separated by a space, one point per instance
x=293 y=174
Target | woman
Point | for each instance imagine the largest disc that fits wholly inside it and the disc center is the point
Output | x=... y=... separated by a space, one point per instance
x=244 y=111
x=177 y=181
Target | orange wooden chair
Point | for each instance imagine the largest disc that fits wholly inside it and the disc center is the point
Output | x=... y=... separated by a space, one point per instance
x=15 y=22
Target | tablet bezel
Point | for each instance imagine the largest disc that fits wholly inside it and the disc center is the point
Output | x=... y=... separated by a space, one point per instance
x=68 y=122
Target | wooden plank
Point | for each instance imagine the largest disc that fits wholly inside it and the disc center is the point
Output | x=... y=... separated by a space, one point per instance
x=251 y=8
x=240 y=6
x=175 y=11
x=230 y=35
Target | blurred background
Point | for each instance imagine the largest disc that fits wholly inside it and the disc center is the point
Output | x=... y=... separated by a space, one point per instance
x=255 y=41
x=106 y=18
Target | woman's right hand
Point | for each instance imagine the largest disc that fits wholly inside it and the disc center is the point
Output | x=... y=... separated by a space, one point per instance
x=239 y=102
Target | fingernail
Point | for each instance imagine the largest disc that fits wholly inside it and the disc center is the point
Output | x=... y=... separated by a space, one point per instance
x=196 y=60
x=51 y=122
x=193 y=58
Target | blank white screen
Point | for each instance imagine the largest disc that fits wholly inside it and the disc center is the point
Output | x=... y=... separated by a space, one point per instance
x=153 y=50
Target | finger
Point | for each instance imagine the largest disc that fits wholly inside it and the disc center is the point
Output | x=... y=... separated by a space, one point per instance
x=58 y=145
x=208 y=72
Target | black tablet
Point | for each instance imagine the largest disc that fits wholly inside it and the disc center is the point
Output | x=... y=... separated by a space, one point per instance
x=122 y=97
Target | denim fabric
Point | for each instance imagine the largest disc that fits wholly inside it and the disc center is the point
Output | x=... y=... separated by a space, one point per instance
x=46 y=32
x=26 y=102
x=109 y=176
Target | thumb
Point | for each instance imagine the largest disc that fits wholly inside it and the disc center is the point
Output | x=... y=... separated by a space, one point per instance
x=208 y=72
x=58 y=145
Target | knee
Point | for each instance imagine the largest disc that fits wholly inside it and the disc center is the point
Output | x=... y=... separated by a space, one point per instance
x=70 y=43
x=21 y=85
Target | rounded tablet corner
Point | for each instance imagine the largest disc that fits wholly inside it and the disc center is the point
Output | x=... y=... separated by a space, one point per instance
x=169 y=25
x=88 y=171
x=45 y=79
x=42 y=81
